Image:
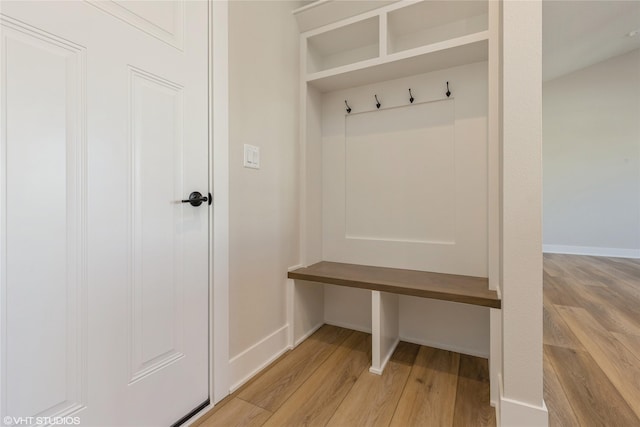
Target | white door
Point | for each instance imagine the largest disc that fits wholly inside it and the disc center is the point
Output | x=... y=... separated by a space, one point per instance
x=104 y=272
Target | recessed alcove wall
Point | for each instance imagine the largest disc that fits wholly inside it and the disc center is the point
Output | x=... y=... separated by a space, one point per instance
x=450 y=178
x=400 y=183
x=406 y=186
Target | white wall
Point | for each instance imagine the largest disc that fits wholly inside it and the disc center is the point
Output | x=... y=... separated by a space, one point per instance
x=591 y=133
x=263 y=111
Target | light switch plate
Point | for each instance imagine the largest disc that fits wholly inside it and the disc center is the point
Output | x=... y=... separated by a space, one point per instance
x=251 y=156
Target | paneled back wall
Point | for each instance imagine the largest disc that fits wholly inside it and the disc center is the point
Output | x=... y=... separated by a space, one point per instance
x=405 y=186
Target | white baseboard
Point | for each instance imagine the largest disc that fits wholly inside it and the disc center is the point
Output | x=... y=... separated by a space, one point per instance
x=591 y=250
x=308 y=334
x=348 y=326
x=448 y=347
x=513 y=413
x=414 y=340
x=519 y=414
x=386 y=359
x=257 y=357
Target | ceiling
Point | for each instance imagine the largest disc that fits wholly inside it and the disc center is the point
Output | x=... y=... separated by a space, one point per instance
x=577 y=34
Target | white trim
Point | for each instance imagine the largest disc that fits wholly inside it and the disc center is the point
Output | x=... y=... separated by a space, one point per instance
x=290 y=304
x=351 y=326
x=441 y=346
x=511 y=412
x=257 y=357
x=310 y=6
x=386 y=359
x=302 y=146
x=591 y=250
x=493 y=147
x=218 y=103
x=308 y=334
x=495 y=354
x=219 y=213
x=175 y=39
x=496 y=405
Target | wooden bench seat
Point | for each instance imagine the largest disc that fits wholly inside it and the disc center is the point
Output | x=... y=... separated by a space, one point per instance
x=447 y=287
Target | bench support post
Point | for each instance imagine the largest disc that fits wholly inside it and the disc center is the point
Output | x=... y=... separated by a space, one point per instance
x=384 y=327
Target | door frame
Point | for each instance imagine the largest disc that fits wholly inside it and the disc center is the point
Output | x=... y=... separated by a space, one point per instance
x=218 y=75
x=218 y=145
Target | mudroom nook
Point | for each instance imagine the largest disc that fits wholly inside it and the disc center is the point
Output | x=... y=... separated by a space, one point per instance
x=398 y=148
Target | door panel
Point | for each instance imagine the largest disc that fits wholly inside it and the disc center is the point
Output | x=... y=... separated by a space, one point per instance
x=44 y=260
x=104 y=271
x=161 y=19
x=157 y=151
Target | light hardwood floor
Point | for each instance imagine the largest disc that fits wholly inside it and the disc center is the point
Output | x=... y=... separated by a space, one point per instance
x=591 y=366
x=325 y=381
x=592 y=340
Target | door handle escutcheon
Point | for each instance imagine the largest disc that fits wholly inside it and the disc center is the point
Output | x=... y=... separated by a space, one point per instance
x=196 y=199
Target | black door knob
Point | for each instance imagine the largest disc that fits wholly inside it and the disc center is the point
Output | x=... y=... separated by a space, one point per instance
x=196 y=199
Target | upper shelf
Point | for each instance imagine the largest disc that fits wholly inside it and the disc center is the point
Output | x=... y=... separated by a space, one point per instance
x=463 y=50
x=428 y=22
x=344 y=45
x=323 y=12
x=396 y=40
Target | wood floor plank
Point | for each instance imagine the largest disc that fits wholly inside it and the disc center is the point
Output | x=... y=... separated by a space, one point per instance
x=595 y=400
x=599 y=303
x=473 y=407
x=237 y=413
x=556 y=331
x=559 y=291
x=619 y=364
x=623 y=304
x=582 y=270
x=620 y=268
x=429 y=396
x=373 y=399
x=315 y=402
x=594 y=277
x=552 y=266
x=633 y=262
x=631 y=342
x=630 y=266
x=561 y=413
x=218 y=406
x=274 y=387
x=624 y=274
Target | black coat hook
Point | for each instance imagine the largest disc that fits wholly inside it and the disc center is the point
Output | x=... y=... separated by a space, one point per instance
x=348 y=108
x=377 y=102
x=410 y=96
x=448 y=91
